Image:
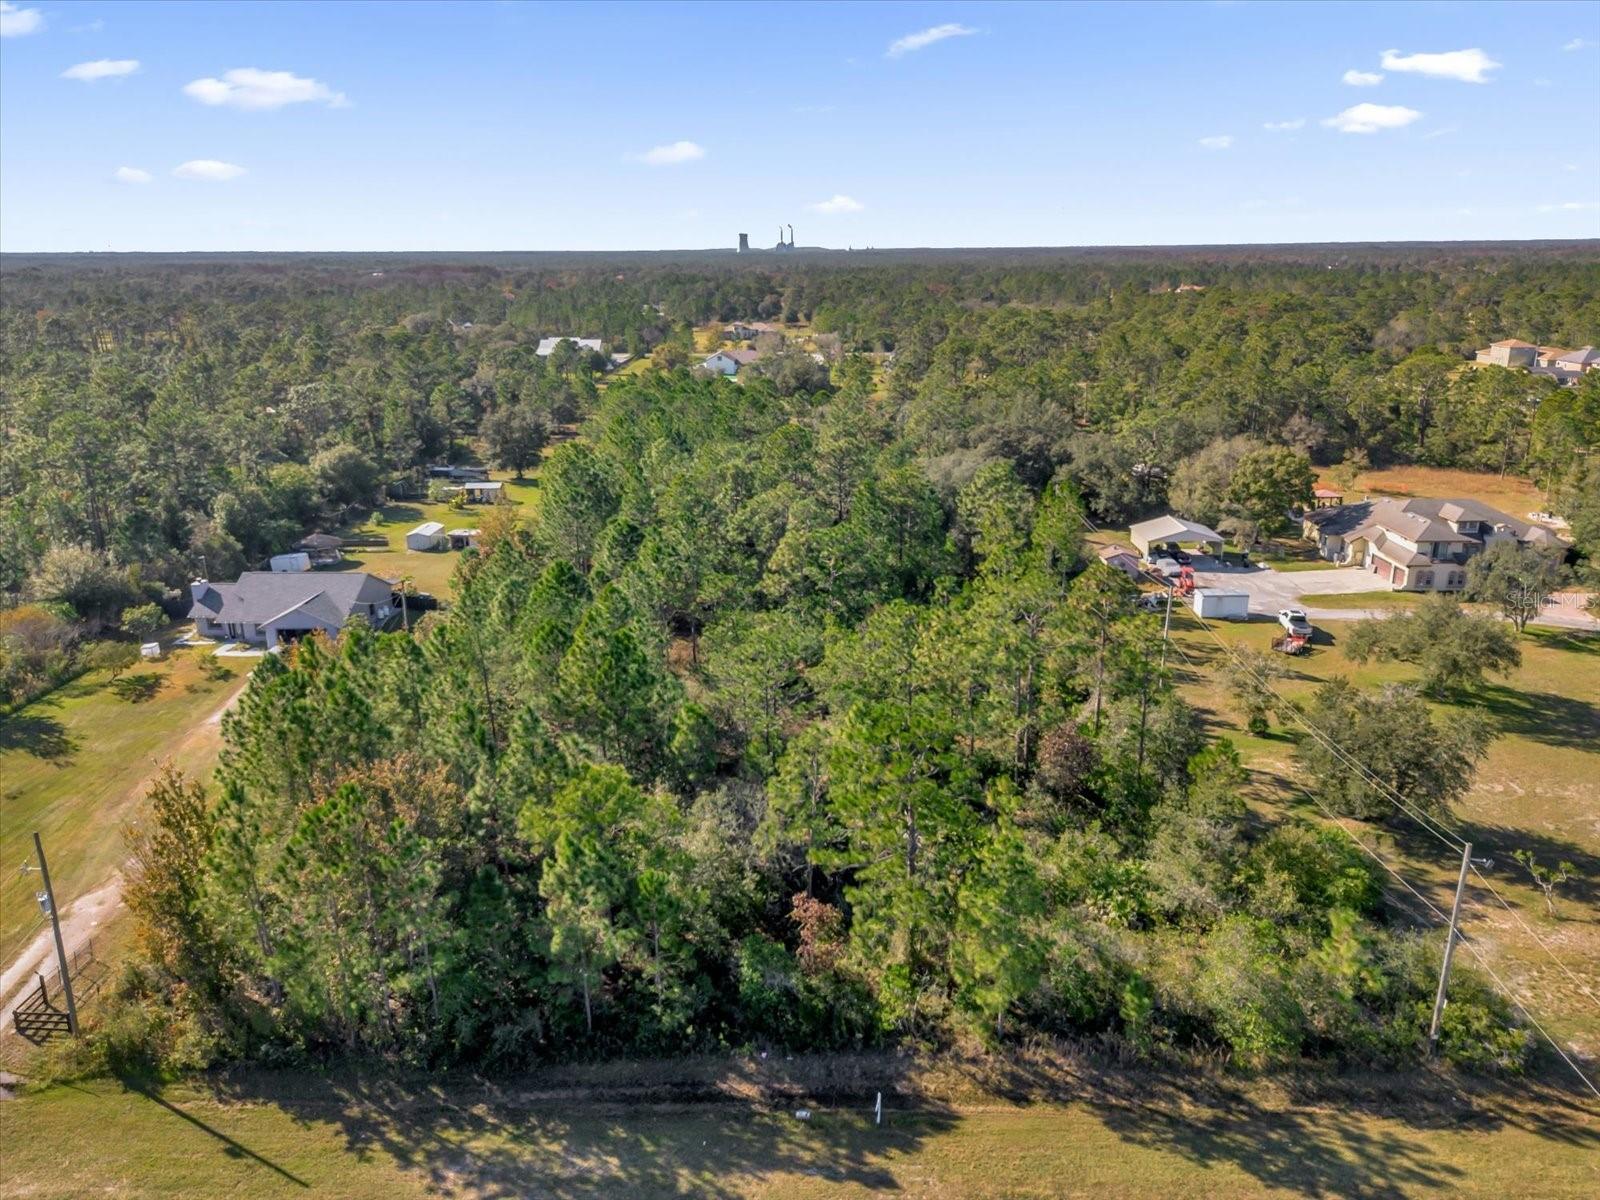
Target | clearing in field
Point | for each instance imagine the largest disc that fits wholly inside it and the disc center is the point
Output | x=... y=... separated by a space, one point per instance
x=1511 y=494
x=378 y=544
x=1537 y=790
x=73 y=764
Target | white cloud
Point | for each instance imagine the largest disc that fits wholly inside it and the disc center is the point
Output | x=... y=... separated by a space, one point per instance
x=102 y=68
x=926 y=37
x=1442 y=131
x=673 y=153
x=257 y=90
x=1581 y=44
x=1370 y=118
x=15 y=22
x=1469 y=66
x=1284 y=126
x=1571 y=206
x=838 y=204
x=1219 y=141
x=131 y=175
x=208 y=169
x=1362 y=78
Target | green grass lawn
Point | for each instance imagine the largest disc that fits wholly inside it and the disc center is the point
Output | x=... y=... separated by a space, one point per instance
x=380 y=540
x=315 y=1135
x=1360 y=600
x=1537 y=789
x=1302 y=564
x=71 y=766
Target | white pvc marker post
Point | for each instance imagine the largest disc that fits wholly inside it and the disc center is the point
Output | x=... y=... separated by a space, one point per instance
x=877 y=1111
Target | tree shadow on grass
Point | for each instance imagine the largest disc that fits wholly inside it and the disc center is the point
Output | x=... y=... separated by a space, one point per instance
x=1542 y=716
x=228 y=1146
x=136 y=689
x=1578 y=899
x=1573 y=641
x=1319 y=1149
x=1321 y=1136
x=478 y=1139
x=39 y=735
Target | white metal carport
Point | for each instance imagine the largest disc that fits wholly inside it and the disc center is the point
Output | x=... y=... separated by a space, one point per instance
x=1172 y=529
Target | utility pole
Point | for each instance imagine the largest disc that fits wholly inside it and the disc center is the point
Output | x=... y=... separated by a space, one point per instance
x=49 y=898
x=1450 y=944
x=1166 y=625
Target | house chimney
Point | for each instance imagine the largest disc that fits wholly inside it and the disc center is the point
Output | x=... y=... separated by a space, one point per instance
x=198 y=589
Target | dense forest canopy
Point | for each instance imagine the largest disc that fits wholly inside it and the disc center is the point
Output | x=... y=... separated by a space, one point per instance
x=164 y=412
x=797 y=712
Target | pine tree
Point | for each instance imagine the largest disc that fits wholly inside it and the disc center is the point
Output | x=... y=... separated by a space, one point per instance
x=997 y=955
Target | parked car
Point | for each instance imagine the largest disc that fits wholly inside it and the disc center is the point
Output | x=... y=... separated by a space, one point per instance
x=1170 y=568
x=1294 y=621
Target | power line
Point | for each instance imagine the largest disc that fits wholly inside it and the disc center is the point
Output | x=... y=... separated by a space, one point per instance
x=1528 y=1015
x=22 y=943
x=1449 y=837
x=1583 y=988
x=1464 y=940
x=1446 y=835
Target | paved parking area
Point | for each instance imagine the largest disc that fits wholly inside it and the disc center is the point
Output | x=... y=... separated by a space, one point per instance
x=1271 y=590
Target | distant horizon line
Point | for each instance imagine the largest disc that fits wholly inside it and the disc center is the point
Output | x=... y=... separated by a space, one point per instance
x=754 y=252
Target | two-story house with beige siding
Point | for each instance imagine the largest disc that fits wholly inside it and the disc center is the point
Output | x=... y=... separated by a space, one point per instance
x=1416 y=545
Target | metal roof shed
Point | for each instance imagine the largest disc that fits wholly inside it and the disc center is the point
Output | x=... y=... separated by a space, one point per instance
x=427 y=536
x=1220 y=605
x=1171 y=529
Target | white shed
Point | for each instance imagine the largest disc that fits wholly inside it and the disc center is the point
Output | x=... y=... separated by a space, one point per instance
x=297 y=561
x=1220 y=605
x=427 y=536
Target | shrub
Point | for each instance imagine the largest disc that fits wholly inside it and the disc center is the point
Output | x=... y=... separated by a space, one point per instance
x=142 y=620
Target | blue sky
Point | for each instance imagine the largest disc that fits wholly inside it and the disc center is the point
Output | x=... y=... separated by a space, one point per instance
x=507 y=126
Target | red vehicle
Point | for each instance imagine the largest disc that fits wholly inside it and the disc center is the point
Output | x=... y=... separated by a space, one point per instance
x=1292 y=644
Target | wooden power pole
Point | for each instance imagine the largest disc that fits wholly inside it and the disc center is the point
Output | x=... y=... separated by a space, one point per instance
x=1450 y=946
x=55 y=928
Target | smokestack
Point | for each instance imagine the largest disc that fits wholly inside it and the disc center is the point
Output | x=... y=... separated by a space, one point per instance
x=791 y=237
x=780 y=235
x=744 y=243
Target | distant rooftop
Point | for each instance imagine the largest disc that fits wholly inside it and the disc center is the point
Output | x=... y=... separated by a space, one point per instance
x=548 y=345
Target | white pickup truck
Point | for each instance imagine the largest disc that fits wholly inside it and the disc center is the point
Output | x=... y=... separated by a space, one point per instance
x=1294 y=622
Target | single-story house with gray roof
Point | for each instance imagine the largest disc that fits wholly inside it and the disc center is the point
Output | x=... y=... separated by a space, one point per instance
x=728 y=362
x=267 y=608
